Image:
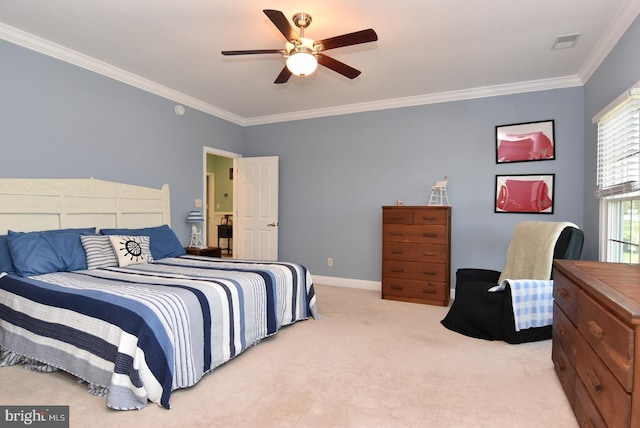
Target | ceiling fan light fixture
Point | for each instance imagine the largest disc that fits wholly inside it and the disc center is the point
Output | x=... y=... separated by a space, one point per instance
x=303 y=54
x=302 y=63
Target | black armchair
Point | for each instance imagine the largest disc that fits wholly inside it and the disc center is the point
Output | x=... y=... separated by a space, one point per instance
x=478 y=313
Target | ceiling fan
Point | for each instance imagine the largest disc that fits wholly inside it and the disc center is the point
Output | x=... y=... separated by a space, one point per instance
x=303 y=54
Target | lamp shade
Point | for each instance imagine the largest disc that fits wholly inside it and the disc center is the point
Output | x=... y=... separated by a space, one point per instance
x=195 y=216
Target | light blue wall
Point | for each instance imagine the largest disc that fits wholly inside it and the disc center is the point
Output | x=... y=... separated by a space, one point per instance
x=335 y=179
x=58 y=120
x=616 y=74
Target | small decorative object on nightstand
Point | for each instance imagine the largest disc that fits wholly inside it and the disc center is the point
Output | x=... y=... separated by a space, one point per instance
x=206 y=251
x=195 y=216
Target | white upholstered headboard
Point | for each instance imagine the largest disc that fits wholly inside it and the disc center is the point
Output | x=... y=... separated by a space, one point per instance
x=43 y=204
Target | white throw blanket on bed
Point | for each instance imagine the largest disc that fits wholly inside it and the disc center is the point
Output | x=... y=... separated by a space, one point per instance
x=532 y=301
x=530 y=253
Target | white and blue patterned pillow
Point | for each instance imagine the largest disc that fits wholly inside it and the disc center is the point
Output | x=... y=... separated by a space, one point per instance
x=163 y=241
x=131 y=250
x=99 y=251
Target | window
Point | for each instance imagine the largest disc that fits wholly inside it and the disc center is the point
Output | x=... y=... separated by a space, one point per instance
x=622 y=222
x=619 y=178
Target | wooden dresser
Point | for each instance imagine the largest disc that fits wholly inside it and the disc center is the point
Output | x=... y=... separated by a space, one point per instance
x=596 y=337
x=416 y=254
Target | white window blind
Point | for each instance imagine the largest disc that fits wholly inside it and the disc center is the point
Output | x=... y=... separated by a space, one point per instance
x=619 y=147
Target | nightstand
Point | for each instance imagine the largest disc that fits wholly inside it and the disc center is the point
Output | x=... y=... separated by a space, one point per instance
x=208 y=251
x=226 y=232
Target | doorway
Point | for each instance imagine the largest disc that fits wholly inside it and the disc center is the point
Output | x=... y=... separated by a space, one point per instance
x=219 y=197
x=258 y=179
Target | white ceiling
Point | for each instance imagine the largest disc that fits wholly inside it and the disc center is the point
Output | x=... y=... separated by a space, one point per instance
x=427 y=50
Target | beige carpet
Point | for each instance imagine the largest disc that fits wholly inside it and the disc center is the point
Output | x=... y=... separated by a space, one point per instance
x=368 y=363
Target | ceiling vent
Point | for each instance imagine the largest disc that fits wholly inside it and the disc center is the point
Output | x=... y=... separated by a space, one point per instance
x=565 y=42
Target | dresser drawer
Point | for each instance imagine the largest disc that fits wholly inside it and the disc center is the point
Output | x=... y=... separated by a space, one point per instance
x=397 y=216
x=425 y=234
x=607 y=394
x=431 y=217
x=416 y=252
x=422 y=290
x=564 y=333
x=612 y=340
x=565 y=294
x=564 y=369
x=414 y=270
x=586 y=412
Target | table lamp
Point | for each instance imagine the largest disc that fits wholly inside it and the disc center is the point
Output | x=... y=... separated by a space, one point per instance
x=195 y=216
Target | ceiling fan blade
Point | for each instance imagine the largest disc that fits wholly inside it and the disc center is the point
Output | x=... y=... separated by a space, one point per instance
x=337 y=66
x=284 y=75
x=253 y=52
x=363 y=36
x=282 y=23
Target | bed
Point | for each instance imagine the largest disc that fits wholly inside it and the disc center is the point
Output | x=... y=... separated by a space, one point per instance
x=113 y=299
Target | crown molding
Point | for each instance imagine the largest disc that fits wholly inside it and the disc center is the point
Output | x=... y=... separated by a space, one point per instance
x=54 y=50
x=442 y=97
x=619 y=26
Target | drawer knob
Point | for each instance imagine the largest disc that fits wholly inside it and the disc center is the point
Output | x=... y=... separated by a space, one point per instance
x=397 y=234
x=429 y=235
x=594 y=381
x=561 y=330
x=432 y=218
x=397 y=252
x=397 y=287
x=426 y=272
x=398 y=270
x=563 y=293
x=595 y=330
x=429 y=291
x=430 y=253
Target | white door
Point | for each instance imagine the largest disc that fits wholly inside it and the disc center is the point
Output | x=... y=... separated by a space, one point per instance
x=255 y=221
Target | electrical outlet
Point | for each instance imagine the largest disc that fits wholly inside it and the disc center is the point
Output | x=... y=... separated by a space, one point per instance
x=198 y=203
x=330 y=261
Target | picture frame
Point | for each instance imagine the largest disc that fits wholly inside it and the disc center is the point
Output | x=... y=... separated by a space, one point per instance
x=525 y=142
x=513 y=193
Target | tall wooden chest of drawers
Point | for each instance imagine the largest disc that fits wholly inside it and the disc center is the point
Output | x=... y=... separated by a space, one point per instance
x=416 y=254
x=596 y=339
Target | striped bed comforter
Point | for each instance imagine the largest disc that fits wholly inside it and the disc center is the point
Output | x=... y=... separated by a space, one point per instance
x=143 y=331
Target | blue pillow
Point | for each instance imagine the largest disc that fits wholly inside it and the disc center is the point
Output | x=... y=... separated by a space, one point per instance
x=164 y=242
x=35 y=253
x=6 y=262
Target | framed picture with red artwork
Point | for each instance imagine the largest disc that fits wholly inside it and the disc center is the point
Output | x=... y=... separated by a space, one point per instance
x=522 y=193
x=525 y=142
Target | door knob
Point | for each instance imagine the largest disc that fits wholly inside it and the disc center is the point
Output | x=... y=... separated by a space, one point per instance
x=272 y=224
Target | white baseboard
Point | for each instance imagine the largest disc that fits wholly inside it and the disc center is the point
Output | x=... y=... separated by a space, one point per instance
x=348 y=283
x=356 y=283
